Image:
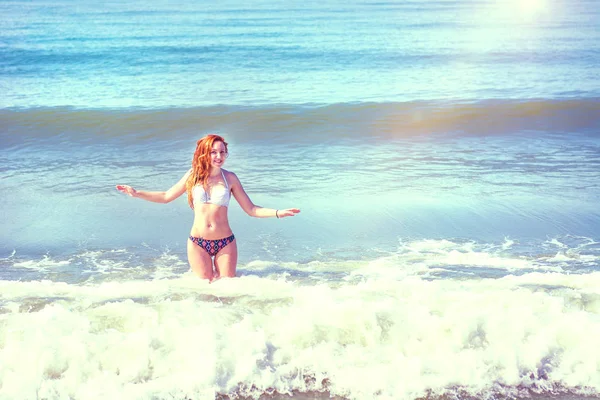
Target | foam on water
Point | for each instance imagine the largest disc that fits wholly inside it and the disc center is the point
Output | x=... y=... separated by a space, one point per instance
x=359 y=338
x=426 y=258
x=435 y=317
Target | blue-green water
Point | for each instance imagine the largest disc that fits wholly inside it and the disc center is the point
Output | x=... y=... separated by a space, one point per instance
x=162 y=54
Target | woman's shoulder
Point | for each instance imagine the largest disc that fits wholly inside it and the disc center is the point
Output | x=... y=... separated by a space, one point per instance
x=187 y=174
x=230 y=176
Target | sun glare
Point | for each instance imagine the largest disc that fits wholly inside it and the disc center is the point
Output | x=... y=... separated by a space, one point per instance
x=530 y=8
x=503 y=24
x=519 y=10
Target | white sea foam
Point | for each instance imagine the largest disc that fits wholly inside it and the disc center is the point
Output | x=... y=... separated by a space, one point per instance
x=423 y=258
x=43 y=264
x=382 y=338
x=430 y=257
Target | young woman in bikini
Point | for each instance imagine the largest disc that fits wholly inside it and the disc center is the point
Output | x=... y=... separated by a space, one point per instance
x=209 y=188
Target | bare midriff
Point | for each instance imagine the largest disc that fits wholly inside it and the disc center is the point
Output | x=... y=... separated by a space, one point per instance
x=210 y=222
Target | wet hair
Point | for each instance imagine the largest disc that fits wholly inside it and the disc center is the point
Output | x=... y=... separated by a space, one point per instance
x=201 y=164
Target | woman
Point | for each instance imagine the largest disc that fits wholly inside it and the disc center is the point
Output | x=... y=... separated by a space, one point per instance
x=209 y=188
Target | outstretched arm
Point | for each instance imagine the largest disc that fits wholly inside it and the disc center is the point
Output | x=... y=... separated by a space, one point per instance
x=252 y=209
x=157 y=197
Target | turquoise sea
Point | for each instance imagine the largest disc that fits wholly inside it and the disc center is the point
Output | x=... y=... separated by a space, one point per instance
x=445 y=155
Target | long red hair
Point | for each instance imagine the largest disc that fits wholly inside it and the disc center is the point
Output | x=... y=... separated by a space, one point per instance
x=201 y=164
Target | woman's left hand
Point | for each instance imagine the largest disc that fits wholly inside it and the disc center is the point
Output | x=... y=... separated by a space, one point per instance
x=288 y=212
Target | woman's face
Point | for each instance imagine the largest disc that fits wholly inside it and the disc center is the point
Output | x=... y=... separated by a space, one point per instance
x=218 y=154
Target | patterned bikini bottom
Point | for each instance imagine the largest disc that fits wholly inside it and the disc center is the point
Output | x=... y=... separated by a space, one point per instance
x=212 y=247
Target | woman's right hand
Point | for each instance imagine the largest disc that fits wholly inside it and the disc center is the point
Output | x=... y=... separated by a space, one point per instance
x=128 y=190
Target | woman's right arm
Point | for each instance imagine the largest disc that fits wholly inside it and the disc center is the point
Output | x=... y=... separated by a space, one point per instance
x=157 y=197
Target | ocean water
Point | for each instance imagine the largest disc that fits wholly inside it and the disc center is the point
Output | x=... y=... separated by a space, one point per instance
x=445 y=156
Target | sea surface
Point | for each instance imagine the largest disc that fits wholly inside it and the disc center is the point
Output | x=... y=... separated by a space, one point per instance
x=445 y=155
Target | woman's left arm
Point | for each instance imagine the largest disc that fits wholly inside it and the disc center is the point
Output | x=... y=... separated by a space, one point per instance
x=252 y=209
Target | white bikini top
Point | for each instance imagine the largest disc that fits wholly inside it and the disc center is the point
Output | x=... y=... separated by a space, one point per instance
x=219 y=194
